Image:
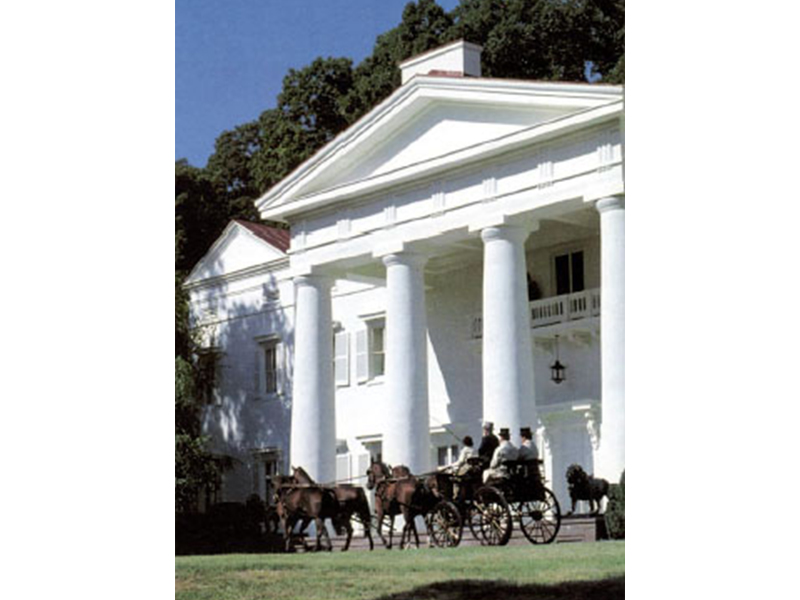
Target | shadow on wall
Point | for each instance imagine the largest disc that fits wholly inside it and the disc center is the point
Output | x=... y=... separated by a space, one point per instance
x=245 y=417
x=603 y=589
x=458 y=359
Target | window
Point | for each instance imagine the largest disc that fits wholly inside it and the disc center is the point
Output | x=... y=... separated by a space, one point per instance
x=377 y=362
x=208 y=371
x=370 y=350
x=446 y=455
x=266 y=465
x=269 y=363
x=569 y=273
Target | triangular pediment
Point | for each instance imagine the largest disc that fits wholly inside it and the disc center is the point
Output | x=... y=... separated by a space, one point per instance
x=429 y=119
x=237 y=249
x=440 y=129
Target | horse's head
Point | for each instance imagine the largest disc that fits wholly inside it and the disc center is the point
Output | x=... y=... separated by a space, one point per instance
x=300 y=475
x=377 y=472
x=401 y=471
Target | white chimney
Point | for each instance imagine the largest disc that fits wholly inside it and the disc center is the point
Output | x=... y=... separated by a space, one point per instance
x=458 y=59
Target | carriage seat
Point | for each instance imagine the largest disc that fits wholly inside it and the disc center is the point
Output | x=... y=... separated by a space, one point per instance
x=524 y=468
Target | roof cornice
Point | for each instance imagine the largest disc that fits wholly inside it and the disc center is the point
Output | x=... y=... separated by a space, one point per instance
x=538 y=133
x=425 y=89
x=191 y=280
x=267 y=267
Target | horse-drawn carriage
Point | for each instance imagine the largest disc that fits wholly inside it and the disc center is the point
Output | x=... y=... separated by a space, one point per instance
x=490 y=509
x=449 y=502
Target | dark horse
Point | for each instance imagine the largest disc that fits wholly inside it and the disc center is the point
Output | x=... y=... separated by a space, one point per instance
x=398 y=491
x=352 y=502
x=296 y=502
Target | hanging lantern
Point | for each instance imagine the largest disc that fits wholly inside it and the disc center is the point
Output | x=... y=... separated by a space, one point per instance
x=557 y=369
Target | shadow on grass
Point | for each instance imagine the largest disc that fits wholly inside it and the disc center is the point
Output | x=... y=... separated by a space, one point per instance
x=612 y=588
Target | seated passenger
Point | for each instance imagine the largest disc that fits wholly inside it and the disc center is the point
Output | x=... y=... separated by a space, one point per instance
x=505 y=451
x=461 y=466
x=527 y=449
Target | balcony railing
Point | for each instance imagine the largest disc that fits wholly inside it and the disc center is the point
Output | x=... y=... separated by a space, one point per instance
x=551 y=311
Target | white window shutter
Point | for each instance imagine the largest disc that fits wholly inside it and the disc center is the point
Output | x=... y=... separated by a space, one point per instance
x=342 y=467
x=341 y=358
x=362 y=356
x=280 y=369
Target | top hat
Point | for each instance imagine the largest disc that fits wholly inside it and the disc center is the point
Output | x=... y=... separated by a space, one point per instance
x=504 y=432
x=488 y=425
x=526 y=432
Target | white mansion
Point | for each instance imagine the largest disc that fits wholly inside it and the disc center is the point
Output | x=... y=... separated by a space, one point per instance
x=445 y=251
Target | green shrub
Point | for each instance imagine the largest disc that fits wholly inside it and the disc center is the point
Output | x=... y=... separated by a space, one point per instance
x=615 y=513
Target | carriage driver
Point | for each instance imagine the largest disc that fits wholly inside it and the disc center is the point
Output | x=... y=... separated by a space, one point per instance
x=489 y=443
x=527 y=449
x=505 y=451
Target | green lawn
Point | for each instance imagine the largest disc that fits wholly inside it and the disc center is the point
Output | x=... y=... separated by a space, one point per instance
x=575 y=571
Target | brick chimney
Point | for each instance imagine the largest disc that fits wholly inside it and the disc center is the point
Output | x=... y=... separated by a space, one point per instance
x=457 y=59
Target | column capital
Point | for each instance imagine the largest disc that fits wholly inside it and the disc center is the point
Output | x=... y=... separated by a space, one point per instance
x=514 y=233
x=610 y=203
x=412 y=259
x=314 y=280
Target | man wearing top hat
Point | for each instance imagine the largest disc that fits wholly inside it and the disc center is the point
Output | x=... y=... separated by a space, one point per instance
x=488 y=444
x=527 y=449
x=505 y=451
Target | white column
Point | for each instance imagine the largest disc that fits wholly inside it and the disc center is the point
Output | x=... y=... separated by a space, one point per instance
x=508 y=399
x=611 y=455
x=313 y=445
x=406 y=433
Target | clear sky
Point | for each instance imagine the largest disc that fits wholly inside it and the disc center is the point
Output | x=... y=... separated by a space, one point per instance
x=231 y=56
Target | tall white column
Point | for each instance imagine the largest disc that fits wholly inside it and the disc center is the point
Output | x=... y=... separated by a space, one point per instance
x=313 y=445
x=406 y=433
x=611 y=454
x=508 y=393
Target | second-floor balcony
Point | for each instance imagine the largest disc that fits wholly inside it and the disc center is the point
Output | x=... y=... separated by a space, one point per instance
x=554 y=310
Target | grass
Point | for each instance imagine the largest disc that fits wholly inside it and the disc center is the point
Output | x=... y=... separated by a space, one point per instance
x=559 y=571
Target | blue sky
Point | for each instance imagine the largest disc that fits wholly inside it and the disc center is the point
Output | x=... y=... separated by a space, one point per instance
x=231 y=56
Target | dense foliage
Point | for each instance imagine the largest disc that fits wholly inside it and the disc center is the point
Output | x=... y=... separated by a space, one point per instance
x=566 y=40
x=615 y=512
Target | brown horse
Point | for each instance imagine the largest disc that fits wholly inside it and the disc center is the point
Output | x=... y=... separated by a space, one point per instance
x=352 y=502
x=295 y=502
x=396 y=492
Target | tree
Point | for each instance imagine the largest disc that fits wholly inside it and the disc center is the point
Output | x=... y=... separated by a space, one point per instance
x=200 y=214
x=230 y=167
x=195 y=468
x=424 y=26
x=311 y=99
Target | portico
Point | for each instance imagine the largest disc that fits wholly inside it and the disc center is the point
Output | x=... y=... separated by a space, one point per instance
x=447 y=178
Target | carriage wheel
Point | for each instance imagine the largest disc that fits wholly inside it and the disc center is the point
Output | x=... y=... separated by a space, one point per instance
x=540 y=520
x=444 y=525
x=473 y=520
x=494 y=516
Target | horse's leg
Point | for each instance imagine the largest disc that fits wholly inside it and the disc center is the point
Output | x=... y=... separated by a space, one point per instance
x=414 y=529
x=391 y=531
x=379 y=519
x=349 y=528
x=367 y=528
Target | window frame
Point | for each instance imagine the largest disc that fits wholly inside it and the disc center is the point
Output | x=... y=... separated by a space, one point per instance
x=570 y=254
x=209 y=387
x=265 y=345
x=366 y=354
